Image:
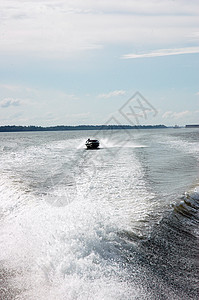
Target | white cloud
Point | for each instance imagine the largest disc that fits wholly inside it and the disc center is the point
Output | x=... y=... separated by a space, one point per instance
x=167 y=114
x=10 y=87
x=112 y=94
x=53 y=28
x=142 y=6
x=7 y=102
x=181 y=114
x=31 y=94
x=39 y=106
x=176 y=115
x=164 y=52
x=17 y=89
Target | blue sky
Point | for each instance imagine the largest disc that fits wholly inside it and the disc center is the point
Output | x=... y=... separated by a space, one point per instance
x=78 y=62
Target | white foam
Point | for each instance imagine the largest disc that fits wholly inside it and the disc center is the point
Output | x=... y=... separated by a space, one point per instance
x=70 y=252
x=61 y=234
x=64 y=253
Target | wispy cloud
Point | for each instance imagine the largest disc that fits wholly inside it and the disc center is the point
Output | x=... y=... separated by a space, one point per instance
x=163 y=52
x=17 y=88
x=176 y=115
x=112 y=94
x=7 y=102
x=89 y=25
x=167 y=114
x=10 y=87
x=182 y=114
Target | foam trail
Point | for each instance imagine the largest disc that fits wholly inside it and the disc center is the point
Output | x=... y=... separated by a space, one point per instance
x=79 y=224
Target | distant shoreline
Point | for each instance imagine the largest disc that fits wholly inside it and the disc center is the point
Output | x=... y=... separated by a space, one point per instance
x=14 y=128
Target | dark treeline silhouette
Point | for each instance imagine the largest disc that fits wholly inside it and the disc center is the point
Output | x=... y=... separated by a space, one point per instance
x=14 y=128
x=192 y=126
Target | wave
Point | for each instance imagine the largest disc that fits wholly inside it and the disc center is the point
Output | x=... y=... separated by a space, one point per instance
x=80 y=252
x=171 y=251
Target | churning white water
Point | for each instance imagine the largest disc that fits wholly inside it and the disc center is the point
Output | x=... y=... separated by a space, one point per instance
x=74 y=222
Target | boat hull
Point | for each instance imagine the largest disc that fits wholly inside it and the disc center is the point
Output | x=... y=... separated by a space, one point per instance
x=92 y=144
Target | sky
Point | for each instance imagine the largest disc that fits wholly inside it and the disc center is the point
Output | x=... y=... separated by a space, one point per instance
x=76 y=62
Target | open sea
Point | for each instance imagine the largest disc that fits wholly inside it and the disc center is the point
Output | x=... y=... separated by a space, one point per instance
x=117 y=223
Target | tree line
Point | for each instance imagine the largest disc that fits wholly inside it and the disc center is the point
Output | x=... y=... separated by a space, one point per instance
x=14 y=128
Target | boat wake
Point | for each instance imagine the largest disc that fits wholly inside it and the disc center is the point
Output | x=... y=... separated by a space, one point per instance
x=53 y=257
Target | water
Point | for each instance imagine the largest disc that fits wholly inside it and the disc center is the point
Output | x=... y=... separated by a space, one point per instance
x=120 y=222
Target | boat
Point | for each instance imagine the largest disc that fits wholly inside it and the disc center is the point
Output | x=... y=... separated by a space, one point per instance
x=92 y=144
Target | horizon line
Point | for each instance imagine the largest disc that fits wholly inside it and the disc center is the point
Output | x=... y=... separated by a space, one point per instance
x=29 y=128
